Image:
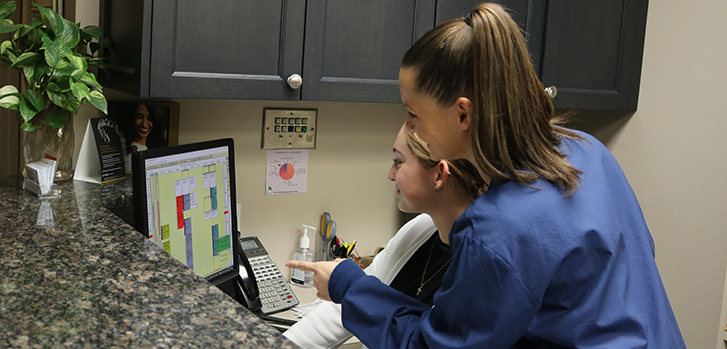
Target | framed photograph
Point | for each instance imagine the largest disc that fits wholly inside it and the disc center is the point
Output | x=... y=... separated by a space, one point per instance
x=145 y=124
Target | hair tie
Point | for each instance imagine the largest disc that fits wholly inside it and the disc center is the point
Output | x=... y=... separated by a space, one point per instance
x=468 y=19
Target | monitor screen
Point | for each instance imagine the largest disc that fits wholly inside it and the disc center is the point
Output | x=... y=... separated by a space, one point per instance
x=184 y=202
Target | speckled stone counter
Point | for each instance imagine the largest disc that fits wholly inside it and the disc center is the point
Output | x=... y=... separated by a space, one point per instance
x=74 y=275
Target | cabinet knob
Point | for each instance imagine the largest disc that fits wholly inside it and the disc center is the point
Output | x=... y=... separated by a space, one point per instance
x=294 y=81
x=552 y=91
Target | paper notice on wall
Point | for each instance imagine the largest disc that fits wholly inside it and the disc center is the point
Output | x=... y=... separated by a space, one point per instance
x=286 y=172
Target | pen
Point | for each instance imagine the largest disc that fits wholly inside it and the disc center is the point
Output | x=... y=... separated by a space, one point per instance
x=350 y=248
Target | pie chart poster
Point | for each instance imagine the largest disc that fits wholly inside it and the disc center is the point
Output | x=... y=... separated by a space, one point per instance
x=287 y=172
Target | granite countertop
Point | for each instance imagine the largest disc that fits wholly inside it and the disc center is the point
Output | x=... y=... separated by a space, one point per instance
x=72 y=274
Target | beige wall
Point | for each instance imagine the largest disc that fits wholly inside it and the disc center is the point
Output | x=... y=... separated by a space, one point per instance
x=346 y=172
x=672 y=151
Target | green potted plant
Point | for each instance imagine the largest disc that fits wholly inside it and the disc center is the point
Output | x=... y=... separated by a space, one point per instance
x=54 y=57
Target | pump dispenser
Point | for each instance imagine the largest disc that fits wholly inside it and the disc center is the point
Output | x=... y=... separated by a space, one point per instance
x=304 y=253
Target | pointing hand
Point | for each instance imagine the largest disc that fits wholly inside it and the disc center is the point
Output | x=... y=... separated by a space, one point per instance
x=322 y=273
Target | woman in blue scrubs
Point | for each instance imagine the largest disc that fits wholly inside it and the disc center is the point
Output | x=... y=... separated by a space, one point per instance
x=555 y=254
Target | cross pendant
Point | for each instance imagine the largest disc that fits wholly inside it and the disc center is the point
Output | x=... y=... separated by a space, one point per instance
x=419 y=290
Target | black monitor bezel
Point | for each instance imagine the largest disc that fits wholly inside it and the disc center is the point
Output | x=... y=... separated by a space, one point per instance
x=139 y=193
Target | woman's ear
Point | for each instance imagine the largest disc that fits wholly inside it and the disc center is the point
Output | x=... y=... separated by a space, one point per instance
x=464 y=110
x=441 y=174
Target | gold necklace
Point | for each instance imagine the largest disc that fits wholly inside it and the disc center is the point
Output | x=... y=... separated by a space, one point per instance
x=419 y=290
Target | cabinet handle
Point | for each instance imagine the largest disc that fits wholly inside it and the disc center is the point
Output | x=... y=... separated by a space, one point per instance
x=294 y=81
x=552 y=91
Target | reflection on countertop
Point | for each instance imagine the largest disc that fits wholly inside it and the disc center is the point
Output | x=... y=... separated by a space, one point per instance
x=72 y=274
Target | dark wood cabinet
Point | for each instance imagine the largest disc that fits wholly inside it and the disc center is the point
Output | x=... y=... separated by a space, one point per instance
x=350 y=50
x=343 y=50
x=590 y=50
x=225 y=49
x=592 y=53
x=353 y=48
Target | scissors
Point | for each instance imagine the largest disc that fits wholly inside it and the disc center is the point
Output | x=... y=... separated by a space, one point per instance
x=328 y=233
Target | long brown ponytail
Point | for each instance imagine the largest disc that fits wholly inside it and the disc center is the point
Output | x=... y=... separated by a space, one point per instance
x=514 y=128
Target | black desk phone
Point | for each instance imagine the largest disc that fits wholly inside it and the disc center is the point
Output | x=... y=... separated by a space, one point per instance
x=263 y=287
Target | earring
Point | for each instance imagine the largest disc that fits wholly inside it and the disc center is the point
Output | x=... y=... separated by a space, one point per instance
x=436 y=188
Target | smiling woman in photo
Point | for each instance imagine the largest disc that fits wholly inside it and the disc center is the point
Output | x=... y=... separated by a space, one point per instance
x=143 y=126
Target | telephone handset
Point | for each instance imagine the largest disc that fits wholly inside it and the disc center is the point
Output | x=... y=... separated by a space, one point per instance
x=246 y=288
x=262 y=285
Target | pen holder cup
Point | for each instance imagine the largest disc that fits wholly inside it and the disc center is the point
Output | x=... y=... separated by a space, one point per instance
x=324 y=252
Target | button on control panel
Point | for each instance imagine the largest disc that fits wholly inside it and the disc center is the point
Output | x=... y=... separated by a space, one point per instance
x=289 y=128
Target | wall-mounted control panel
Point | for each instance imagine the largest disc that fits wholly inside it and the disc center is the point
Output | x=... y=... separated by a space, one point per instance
x=289 y=128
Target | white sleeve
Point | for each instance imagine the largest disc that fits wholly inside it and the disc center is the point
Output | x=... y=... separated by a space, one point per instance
x=322 y=327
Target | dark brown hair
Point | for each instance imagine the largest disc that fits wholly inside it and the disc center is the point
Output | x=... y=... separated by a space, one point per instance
x=465 y=174
x=514 y=128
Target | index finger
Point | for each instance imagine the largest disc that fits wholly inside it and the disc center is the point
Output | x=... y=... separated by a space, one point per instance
x=302 y=265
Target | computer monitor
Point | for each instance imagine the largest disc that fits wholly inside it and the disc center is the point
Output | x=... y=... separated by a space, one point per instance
x=184 y=201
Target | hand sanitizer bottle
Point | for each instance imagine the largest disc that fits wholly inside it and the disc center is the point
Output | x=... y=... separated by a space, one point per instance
x=304 y=253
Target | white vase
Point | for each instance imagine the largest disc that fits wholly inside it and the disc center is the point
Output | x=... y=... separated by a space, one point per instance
x=61 y=141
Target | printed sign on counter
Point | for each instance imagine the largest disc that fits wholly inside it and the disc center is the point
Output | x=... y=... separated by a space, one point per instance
x=102 y=158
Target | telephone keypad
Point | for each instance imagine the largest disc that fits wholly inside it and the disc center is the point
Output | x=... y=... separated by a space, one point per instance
x=275 y=293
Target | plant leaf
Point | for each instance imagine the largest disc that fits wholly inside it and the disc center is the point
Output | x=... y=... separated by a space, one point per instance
x=39 y=71
x=52 y=87
x=90 y=80
x=55 y=20
x=93 y=30
x=77 y=75
x=29 y=73
x=7 y=50
x=26 y=59
x=78 y=62
x=85 y=37
x=57 y=118
x=64 y=73
x=22 y=32
x=99 y=62
x=9 y=98
x=93 y=47
x=37 y=33
x=69 y=36
x=37 y=99
x=7 y=9
x=99 y=101
x=55 y=53
x=29 y=39
x=26 y=109
x=64 y=83
x=65 y=100
x=7 y=26
x=28 y=127
x=80 y=90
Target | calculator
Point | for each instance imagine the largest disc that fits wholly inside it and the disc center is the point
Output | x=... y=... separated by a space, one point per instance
x=275 y=292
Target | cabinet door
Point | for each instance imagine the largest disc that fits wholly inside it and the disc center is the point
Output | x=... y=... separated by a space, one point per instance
x=528 y=14
x=353 y=48
x=242 y=49
x=593 y=52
